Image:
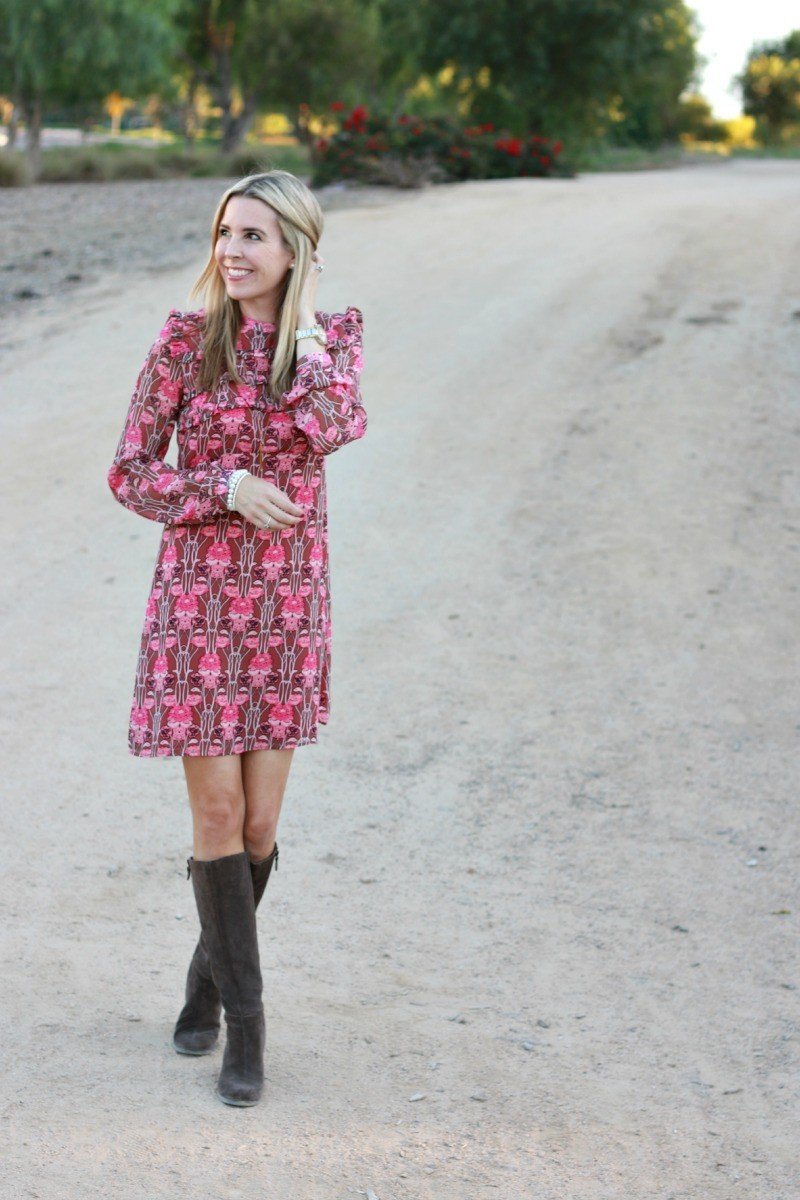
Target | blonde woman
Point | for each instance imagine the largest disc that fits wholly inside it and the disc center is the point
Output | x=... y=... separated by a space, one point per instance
x=233 y=670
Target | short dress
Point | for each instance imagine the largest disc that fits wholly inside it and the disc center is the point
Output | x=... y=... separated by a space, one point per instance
x=235 y=651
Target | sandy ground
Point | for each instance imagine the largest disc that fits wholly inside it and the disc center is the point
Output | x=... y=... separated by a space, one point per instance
x=534 y=932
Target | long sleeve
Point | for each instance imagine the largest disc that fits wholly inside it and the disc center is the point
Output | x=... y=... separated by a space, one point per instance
x=139 y=477
x=325 y=397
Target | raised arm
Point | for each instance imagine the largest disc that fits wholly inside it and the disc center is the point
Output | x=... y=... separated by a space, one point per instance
x=139 y=477
x=325 y=397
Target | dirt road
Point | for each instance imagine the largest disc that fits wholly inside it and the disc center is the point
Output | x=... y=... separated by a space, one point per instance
x=534 y=932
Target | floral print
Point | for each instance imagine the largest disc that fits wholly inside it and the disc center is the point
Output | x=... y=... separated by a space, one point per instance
x=236 y=641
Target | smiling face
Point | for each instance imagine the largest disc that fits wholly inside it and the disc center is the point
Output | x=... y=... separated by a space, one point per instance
x=252 y=256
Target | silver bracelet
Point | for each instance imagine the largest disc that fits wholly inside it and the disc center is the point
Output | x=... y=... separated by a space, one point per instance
x=235 y=479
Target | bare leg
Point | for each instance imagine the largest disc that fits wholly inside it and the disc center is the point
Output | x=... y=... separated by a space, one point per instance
x=264 y=776
x=217 y=801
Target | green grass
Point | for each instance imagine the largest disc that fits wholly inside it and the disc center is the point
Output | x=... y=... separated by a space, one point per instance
x=115 y=161
x=604 y=157
x=766 y=152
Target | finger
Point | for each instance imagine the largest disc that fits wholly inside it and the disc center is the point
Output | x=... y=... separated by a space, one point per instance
x=280 y=517
x=283 y=502
x=276 y=497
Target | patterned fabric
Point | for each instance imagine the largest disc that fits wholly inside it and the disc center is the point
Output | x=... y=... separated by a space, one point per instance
x=236 y=643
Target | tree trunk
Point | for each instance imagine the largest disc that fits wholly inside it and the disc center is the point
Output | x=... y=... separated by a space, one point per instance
x=33 y=135
x=189 y=115
x=223 y=77
x=13 y=126
x=235 y=128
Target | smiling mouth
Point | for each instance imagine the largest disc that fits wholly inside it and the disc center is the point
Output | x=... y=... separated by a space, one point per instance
x=237 y=272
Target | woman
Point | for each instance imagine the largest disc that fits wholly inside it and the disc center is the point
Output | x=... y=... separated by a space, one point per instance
x=233 y=670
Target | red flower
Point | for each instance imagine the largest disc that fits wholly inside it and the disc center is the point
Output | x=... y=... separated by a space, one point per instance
x=403 y=119
x=558 y=147
x=337 y=105
x=510 y=145
x=488 y=128
x=544 y=160
x=357 y=119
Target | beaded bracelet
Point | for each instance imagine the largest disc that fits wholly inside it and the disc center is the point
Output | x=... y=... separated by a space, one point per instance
x=234 y=480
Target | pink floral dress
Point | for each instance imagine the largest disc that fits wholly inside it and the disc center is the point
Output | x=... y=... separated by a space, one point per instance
x=236 y=644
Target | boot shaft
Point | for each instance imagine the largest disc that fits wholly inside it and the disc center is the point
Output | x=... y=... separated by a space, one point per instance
x=223 y=889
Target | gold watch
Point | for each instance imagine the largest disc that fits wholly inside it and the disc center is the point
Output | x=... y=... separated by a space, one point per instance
x=314 y=331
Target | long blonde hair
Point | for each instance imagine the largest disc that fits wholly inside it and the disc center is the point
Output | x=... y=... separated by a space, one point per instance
x=300 y=220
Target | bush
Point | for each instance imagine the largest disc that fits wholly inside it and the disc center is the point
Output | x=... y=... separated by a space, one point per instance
x=14 y=170
x=409 y=151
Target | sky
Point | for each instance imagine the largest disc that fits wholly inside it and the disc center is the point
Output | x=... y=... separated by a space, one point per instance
x=729 y=29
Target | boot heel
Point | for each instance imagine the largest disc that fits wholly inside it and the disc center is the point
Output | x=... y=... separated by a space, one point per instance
x=241 y=1080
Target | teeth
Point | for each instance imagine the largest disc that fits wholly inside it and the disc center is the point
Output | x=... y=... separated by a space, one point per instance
x=237 y=274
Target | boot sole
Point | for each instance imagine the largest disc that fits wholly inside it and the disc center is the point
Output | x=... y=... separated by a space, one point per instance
x=193 y=1053
x=236 y=1103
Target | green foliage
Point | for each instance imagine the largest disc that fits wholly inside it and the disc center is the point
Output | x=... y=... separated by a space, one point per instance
x=289 y=54
x=770 y=84
x=564 y=66
x=75 y=52
x=663 y=64
x=696 y=121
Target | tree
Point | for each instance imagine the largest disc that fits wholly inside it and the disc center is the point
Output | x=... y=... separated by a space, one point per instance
x=695 y=120
x=664 y=62
x=74 y=52
x=285 y=53
x=770 y=84
x=562 y=66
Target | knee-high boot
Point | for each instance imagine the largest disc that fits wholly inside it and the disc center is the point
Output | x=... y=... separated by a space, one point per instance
x=224 y=894
x=197 y=1028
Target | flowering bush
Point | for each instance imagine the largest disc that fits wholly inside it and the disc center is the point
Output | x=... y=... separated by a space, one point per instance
x=408 y=151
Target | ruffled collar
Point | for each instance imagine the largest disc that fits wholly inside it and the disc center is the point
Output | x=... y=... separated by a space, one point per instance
x=255 y=339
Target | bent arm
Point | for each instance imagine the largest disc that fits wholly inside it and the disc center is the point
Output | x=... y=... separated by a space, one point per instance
x=325 y=398
x=139 y=477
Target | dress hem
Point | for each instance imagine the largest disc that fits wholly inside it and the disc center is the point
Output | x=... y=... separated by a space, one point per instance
x=138 y=752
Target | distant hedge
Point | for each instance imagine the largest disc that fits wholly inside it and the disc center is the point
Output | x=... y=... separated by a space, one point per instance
x=104 y=163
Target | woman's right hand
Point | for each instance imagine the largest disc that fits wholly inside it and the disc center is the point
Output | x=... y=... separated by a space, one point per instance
x=257 y=500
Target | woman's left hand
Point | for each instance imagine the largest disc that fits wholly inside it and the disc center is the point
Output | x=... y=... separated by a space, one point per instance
x=308 y=297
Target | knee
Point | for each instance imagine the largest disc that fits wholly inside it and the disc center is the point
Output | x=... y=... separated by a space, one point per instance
x=219 y=816
x=260 y=832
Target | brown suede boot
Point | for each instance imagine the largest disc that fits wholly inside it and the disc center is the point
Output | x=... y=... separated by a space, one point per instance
x=224 y=894
x=197 y=1028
